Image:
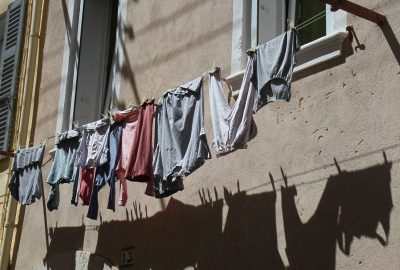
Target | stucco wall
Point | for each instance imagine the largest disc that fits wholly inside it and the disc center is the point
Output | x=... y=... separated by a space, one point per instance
x=346 y=110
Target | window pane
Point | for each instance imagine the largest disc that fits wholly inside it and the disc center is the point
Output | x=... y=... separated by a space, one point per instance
x=271 y=19
x=93 y=59
x=305 y=10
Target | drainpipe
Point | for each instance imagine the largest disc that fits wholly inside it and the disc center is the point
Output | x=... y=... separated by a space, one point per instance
x=23 y=134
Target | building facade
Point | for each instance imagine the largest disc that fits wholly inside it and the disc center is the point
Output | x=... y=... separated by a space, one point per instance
x=316 y=188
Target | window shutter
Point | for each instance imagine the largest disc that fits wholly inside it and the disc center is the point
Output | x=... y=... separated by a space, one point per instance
x=9 y=69
x=271 y=19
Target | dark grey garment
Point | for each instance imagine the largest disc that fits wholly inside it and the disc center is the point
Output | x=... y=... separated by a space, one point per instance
x=180 y=141
x=275 y=62
x=63 y=169
x=25 y=184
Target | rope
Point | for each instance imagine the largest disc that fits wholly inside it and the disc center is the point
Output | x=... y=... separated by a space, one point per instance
x=311 y=20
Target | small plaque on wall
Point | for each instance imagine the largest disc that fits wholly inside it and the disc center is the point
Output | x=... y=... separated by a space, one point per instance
x=127 y=257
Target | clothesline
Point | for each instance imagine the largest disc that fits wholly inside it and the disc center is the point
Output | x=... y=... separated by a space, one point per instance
x=298 y=27
x=12 y=152
x=102 y=152
x=311 y=20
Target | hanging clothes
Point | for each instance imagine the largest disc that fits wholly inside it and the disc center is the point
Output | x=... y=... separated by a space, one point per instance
x=25 y=184
x=180 y=140
x=139 y=167
x=63 y=169
x=128 y=119
x=106 y=173
x=275 y=62
x=232 y=126
x=93 y=151
x=86 y=185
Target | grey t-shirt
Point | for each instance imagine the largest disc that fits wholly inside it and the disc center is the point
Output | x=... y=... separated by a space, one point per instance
x=275 y=62
x=25 y=184
x=180 y=141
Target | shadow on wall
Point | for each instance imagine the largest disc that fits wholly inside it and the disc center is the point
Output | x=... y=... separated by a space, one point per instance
x=352 y=205
x=391 y=39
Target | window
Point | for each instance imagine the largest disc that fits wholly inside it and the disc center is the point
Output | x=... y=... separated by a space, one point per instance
x=274 y=14
x=11 y=34
x=85 y=91
x=305 y=10
x=97 y=41
x=258 y=21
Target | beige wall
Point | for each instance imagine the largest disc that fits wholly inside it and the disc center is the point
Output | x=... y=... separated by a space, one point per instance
x=4 y=4
x=348 y=110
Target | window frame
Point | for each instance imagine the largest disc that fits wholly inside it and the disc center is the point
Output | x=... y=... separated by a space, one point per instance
x=69 y=73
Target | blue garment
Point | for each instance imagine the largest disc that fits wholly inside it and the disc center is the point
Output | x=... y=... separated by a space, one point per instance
x=63 y=169
x=106 y=173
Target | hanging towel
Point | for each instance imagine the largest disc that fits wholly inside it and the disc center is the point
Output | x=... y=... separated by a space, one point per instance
x=63 y=169
x=25 y=184
x=275 y=62
x=180 y=141
x=232 y=126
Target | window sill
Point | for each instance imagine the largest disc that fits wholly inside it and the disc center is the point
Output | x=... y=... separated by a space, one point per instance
x=311 y=54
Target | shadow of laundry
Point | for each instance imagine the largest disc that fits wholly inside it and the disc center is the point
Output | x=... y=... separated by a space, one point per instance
x=353 y=204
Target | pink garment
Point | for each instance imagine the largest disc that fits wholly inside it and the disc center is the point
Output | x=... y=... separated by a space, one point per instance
x=140 y=166
x=128 y=119
x=86 y=186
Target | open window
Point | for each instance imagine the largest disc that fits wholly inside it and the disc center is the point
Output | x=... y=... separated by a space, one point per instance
x=259 y=21
x=88 y=62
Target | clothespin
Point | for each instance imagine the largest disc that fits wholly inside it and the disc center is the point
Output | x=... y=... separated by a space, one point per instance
x=43 y=142
x=290 y=24
x=76 y=125
x=213 y=68
x=250 y=51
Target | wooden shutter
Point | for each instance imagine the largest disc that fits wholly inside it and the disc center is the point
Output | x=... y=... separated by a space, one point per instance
x=9 y=69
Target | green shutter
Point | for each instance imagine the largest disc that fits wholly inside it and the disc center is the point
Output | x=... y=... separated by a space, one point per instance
x=9 y=69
